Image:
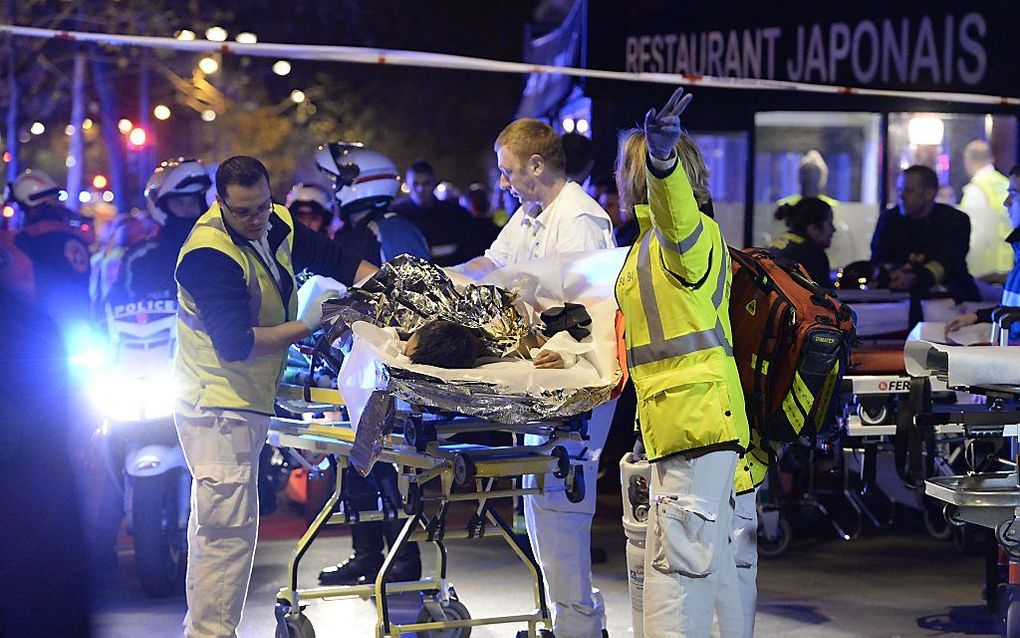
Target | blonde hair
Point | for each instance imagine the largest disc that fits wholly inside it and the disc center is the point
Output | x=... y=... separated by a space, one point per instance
x=630 y=169
x=526 y=137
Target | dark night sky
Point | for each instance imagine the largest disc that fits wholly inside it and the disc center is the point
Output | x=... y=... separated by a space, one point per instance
x=460 y=113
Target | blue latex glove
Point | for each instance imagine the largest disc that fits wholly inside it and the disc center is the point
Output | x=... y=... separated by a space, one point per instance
x=662 y=128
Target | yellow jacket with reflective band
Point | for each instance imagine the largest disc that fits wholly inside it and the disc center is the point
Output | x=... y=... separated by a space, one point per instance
x=993 y=185
x=674 y=291
x=204 y=379
x=999 y=256
x=752 y=467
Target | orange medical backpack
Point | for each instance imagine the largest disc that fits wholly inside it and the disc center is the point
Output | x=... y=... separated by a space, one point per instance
x=791 y=342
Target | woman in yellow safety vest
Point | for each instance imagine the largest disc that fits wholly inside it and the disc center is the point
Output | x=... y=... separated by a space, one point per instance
x=674 y=293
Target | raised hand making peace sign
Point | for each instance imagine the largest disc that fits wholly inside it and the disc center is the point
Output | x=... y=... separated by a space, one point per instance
x=662 y=129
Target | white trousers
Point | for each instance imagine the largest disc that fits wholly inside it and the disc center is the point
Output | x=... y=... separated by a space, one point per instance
x=222 y=450
x=560 y=535
x=745 y=554
x=690 y=571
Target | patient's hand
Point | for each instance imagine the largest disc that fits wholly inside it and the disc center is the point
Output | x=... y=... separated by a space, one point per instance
x=548 y=359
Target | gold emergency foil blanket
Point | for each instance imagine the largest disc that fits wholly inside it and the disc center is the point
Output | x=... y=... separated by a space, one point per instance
x=492 y=402
x=409 y=292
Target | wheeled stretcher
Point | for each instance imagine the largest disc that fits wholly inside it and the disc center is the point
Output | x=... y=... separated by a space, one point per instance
x=406 y=414
x=434 y=474
x=985 y=496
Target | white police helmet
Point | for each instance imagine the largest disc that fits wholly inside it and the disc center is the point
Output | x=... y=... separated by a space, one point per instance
x=311 y=195
x=30 y=189
x=175 y=178
x=362 y=177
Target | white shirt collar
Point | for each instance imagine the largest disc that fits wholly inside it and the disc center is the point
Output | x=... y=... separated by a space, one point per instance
x=543 y=218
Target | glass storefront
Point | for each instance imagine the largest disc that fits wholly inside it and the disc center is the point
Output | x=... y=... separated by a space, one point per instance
x=830 y=153
x=725 y=156
x=971 y=155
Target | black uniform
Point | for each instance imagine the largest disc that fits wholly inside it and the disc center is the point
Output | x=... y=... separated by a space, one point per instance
x=60 y=260
x=936 y=245
x=147 y=270
x=801 y=249
x=380 y=237
x=445 y=226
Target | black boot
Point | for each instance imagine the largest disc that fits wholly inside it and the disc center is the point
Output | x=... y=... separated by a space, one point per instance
x=353 y=571
x=405 y=569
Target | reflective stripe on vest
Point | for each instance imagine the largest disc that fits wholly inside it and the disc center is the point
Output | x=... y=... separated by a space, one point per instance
x=659 y=348
x=683 y=245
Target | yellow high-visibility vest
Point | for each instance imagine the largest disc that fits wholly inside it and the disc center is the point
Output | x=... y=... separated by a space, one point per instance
x=674 y=291
x=204 y=379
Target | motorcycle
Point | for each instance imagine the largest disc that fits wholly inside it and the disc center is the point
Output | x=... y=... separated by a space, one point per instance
x=134 y=393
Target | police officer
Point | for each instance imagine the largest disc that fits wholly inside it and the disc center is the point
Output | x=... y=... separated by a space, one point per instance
x=310 y=205
x=237 y=313
x=176 y=196
x=366 y=183
x=59 y=251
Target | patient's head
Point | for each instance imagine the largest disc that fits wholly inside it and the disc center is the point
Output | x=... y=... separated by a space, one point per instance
x=444 y=344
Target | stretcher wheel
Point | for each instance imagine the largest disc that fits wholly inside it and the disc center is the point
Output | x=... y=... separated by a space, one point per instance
x=453 y=609
x=293 y=625
x=463 y=469
x=775 y=547
x=575 y=485
x=1013 y=620
x=418 y=434
x=873 y=412
x=412 y=429
x=1004 y=534
x=412 y=502
x=562 y=470
x=542 y=633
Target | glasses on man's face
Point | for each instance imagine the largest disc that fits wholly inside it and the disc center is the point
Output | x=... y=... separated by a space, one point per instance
x=250 y=216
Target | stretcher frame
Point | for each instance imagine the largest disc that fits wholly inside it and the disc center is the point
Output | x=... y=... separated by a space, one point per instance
x=423 y=456
x=988 y=499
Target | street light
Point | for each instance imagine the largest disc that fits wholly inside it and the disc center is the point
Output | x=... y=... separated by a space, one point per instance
x=281 y=67
x=162 y=112
x=37 y=128
x=216 y=34
x=125 y=125
x=99 y=182
x=69 y=129
x=185 y=34
x=86 y=124
x=246 y=38
x=208 y=65
x=298 y=96
x=137 y=137
x=208 y=115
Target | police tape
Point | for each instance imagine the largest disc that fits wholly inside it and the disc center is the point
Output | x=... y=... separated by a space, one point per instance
x=395 y=57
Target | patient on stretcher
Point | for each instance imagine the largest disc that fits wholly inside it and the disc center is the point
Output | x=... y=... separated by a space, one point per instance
x=447 y=344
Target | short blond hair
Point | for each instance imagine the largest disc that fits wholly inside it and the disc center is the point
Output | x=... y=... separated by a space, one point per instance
x=526 y=137
x=630 y=169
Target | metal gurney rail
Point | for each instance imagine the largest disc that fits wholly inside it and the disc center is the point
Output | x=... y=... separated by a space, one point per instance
x=989 y=499
x=425 y=458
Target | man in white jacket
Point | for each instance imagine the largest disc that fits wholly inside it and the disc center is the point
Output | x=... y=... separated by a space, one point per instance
x=555 y=216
